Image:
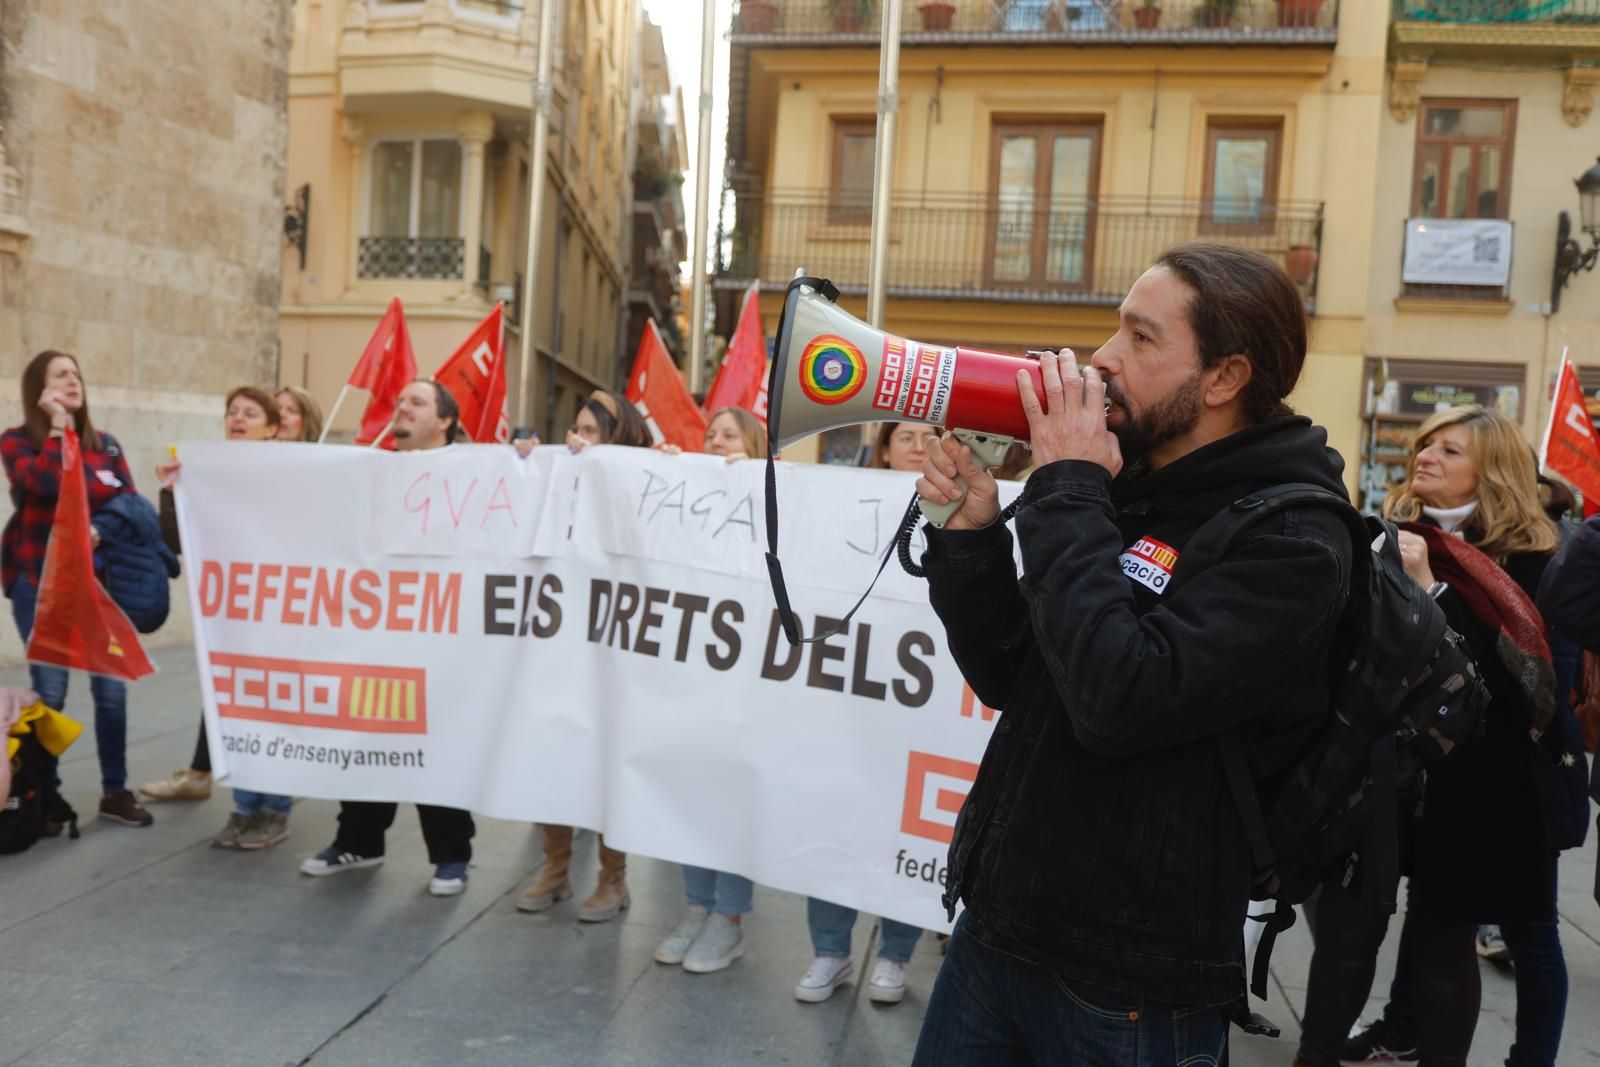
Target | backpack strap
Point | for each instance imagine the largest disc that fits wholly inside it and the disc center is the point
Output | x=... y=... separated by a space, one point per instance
x=1242 y=785
x=1211 y=541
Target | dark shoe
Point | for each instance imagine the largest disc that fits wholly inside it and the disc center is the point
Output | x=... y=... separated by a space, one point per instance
x=122 y=806
x=1379 y=1044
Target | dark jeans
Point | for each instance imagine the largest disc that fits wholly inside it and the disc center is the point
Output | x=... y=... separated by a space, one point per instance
x=110 y=695
x=447 y=831
x=1541 y=975
x=1443 y=977
x=992 y=1008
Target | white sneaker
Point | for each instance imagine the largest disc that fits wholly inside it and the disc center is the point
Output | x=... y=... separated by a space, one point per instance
x=676 y=946
x=719 y=944
x=888 y=985
x=825 y=974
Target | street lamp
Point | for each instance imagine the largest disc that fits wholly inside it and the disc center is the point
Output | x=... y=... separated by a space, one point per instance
x=1570 y=255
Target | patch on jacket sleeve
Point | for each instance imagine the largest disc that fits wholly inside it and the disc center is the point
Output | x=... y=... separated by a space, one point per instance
x=1149 y=562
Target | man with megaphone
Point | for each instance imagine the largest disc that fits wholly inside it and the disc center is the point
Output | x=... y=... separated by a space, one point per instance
x=1104 y=867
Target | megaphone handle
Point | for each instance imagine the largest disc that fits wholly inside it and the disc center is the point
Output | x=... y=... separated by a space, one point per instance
x=988 y=451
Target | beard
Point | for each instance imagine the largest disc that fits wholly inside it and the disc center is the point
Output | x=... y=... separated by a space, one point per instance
x=1165 y=420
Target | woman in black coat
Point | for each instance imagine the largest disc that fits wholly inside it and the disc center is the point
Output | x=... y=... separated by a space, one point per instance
x=1473 y=532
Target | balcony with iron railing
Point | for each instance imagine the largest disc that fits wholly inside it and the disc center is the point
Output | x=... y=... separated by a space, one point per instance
x=411 y=257
x=1086 y=252
x=1013 y=22
x=1558 y=26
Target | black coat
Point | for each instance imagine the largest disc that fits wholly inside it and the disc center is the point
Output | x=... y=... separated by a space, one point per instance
x=1481 y=852
x=1099 y=837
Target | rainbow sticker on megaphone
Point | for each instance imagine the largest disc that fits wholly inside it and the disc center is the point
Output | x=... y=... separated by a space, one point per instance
x=831 y=370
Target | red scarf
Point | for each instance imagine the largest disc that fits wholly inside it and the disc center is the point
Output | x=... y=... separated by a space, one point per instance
x=1495 y=599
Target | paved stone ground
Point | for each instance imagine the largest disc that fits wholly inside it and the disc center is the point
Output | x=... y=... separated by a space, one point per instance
x=145 y=947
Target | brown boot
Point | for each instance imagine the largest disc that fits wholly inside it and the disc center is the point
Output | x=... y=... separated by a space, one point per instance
x=552 y=884
x=611 y=894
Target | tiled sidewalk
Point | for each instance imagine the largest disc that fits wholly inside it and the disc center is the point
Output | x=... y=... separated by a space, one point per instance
x=145 y=947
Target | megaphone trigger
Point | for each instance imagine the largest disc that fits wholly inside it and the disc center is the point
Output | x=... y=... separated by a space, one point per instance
x=988 y=451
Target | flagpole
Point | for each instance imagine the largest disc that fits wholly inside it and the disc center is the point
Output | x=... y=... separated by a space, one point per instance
x=344 y=391
x=883 y=164
x=702 y=197
x=536 y=179
x=376 y=441
x=1550 y=422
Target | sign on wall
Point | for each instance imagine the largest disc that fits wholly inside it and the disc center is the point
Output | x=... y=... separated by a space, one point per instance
x=1457 y=252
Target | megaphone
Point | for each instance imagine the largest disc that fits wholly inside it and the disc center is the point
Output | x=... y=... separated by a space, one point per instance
x=830 y=369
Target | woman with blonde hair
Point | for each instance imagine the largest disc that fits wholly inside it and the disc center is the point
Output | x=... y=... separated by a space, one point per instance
x=299 y=416
x=1474 y=534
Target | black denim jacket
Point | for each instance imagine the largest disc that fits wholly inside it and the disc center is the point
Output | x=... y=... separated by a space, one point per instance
x=1099 y=837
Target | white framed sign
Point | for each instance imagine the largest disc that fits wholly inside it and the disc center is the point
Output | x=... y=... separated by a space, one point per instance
x=1457 y=252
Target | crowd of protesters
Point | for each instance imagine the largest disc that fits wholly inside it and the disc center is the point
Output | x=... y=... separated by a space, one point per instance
x=1104 y=854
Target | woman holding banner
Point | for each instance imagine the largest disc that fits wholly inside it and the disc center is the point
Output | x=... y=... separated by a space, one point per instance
x=54 y=397
x=605 y=419
x=709 y=937
x=898 y=446
x=299 y=416
x=258 y=820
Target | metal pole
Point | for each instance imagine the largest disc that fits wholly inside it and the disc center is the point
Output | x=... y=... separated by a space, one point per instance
x=622 y=356
x=883 y=164
x=540 y=148
x=702 y=199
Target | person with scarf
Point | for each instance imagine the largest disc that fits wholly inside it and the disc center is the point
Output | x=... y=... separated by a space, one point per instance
x=1472 y=533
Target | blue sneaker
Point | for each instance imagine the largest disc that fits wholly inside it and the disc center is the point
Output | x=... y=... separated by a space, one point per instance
x=333 y=860
x=448 y=879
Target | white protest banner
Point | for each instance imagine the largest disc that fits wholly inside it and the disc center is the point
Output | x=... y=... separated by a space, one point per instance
x=587 y=640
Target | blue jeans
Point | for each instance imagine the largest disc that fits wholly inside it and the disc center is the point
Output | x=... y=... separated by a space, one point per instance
x=830 y=932
x=993 y=1008
x=247 y=802
x=726 y=894
x=110 y=695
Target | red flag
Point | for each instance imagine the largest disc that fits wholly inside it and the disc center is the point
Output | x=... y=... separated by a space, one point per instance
x=1571 y=448
x=77 y=624
x=656 y=389
x=743 y=374
x=386 y=366
x=476 y=377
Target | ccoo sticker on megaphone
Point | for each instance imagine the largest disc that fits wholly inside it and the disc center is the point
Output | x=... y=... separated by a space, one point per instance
x=830 y=369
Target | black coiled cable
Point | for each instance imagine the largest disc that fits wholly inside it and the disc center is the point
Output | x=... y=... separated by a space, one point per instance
x=908 y=526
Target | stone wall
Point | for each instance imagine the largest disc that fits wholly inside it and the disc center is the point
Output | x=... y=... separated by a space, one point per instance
x=141 y=210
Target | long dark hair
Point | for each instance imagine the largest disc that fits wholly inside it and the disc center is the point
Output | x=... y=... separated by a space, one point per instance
x=1244 y=304
x=626 y=427
x=444 y=403
x=35 y=421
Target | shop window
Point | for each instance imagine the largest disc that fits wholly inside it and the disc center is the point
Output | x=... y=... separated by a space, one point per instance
x=1401 y=394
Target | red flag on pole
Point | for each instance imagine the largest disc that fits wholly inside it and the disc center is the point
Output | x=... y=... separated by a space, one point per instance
x=386 y=366
x=77 y=624
x=1571 y=447
x=476 y=377
x=743 y=375
x=657 y=390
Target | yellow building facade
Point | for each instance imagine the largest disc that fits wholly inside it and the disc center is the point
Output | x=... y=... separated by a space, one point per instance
x=1047 y=152
x=409 y=153
x=1485 y=126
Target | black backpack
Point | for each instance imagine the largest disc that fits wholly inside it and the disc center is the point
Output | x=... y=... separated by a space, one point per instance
x=35 y=807
x=1405 y=691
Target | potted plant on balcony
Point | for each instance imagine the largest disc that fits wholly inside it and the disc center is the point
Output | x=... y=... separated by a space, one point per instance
x=1298 y=14
x=758 y=16
x=851 y=16
x=1300 y=263
x=937 y=15
x=1147 y=16
x=1215 y=14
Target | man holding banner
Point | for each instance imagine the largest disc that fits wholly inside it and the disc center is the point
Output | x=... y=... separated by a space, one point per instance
x=1099 y=853
x=426 y=416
